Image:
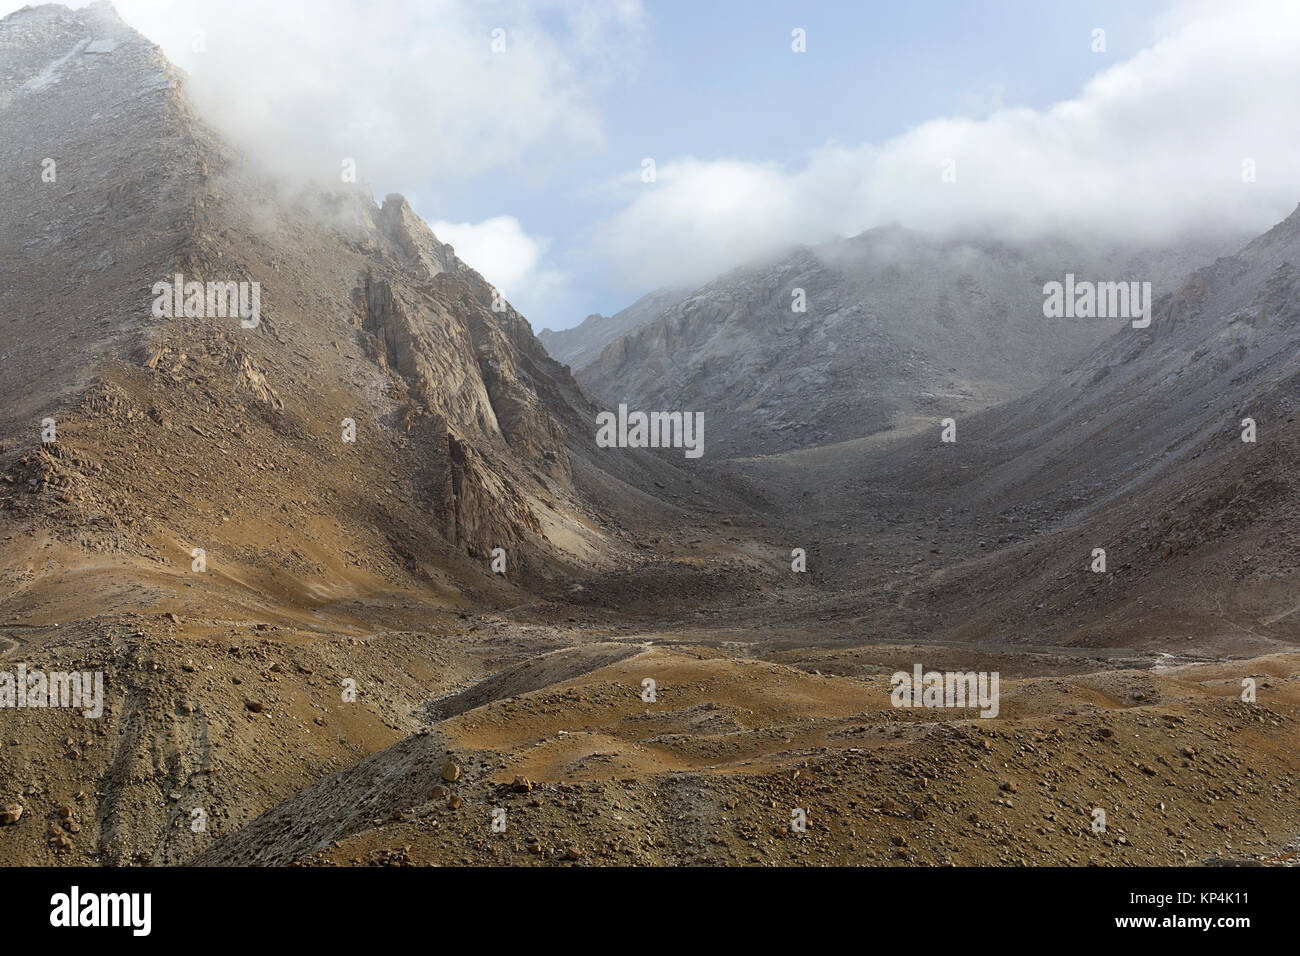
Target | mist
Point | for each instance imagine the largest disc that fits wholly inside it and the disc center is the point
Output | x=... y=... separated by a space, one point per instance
x=1179 y=142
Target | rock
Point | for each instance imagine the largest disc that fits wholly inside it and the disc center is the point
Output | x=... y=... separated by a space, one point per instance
x=450 y=772
x=439 y=792
x=455 y=801
x=10 y=813
x=522 y=784
x=256 y=706
x=573 y=853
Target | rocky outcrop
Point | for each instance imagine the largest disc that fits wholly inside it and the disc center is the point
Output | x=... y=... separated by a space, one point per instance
x=471 y=397
x=417 y=243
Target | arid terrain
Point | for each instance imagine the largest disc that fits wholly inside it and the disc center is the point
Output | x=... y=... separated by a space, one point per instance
x=309 y=657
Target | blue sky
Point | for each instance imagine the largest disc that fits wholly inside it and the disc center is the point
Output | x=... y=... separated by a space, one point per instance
x=994 y=116
x=719 y=80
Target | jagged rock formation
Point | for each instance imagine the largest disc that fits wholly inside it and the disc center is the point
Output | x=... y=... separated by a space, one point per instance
x=365 y=316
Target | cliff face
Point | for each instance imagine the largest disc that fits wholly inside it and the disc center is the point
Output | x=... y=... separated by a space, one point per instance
x=470 y=385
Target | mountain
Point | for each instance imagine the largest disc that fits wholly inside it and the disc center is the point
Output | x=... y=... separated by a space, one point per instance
x=466 y=433
x=260 y=442
x=1137 y=450
x=1140 y=451
x=900 y=328
x=581 y=345
x=180 y=482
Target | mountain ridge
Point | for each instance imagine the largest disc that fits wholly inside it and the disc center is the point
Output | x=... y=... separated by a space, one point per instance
x=899 y=324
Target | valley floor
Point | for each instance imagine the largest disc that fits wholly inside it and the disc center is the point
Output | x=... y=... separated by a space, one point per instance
x=529 y=734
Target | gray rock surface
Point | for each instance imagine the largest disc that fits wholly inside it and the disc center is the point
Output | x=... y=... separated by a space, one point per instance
x=900 y=328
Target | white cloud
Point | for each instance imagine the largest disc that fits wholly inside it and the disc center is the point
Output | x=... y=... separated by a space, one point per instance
x=411 y=90
x=1150 y=149
x=497 y=247
x=508 y=257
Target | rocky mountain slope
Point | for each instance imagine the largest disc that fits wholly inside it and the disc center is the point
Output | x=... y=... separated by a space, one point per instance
x=581 y=345
x=274 y=539
x=344 y=462
x=463 y=432
x=1140 y=451
x=1137 y=451
x=899 y=327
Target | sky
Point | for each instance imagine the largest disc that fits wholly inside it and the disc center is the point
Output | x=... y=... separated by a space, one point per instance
x=523 y=131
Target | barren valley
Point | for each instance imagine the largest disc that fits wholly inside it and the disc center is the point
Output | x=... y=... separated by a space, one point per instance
x=458 y=631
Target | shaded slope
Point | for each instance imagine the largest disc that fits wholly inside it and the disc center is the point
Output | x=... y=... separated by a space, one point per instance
x=1137 y=451
x=581 y=345
x=899 y=326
